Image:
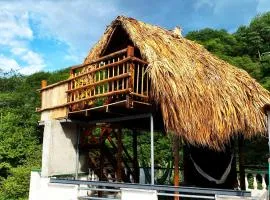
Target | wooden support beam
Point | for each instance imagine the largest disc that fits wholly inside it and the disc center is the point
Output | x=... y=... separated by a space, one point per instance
x=119 y=155
x=186 y=164
x=135 y=156
x=241 y=162
x=176 y=162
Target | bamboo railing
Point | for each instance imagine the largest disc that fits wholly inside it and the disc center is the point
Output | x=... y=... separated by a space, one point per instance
x=114 y=77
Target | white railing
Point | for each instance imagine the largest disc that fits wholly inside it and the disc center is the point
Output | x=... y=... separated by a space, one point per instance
x=255 y=182
x=258 y=179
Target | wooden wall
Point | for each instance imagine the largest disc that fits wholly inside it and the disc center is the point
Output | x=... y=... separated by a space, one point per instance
x=53 y=100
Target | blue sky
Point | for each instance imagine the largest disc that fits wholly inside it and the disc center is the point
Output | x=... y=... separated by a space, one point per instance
x=49 y=35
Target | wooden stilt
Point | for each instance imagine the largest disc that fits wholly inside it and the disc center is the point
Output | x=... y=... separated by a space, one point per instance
x=241 y=162
x=119 y=155
x=186 y=164
x=176 y=162
x=135 y=157
x=101 y=164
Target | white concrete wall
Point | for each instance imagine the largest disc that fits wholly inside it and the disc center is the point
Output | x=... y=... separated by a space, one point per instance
x=59 y=149
x=135 y=194
x=41 y=189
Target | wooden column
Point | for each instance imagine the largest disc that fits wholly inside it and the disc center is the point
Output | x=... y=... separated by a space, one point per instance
x=135 y=156
x=241 y=162
x=130 y=53
x=186 y=164
x=43 y=84
x=119 y=155
x=176 y=162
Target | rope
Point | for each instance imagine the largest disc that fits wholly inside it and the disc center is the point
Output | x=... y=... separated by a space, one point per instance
x=210 y=178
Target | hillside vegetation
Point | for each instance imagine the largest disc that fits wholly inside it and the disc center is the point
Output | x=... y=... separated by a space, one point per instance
x=21 y=138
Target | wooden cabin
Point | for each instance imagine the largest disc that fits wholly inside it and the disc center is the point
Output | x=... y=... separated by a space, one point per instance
x=118 y=80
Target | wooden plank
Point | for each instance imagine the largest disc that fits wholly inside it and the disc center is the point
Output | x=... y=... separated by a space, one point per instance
x=147 y=84
x=100 y=82
x=117 y=81
x=54 y=85
x=128 y=90
x=137 y=77
x=101 y=68
x=142 y=80
x=101 y=59
x=139 y=95
x=139 y=60
x=113 y=75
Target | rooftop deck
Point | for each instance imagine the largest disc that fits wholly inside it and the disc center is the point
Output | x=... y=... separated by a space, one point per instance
x=117 y=84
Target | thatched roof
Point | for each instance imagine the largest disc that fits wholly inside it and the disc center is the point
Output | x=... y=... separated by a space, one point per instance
x=202 y=98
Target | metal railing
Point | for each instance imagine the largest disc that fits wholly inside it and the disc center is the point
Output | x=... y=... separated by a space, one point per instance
x=108 y=190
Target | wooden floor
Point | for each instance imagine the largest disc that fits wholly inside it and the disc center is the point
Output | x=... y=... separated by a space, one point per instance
x=118 y=110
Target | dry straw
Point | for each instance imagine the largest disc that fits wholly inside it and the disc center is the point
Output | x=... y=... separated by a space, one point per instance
x=203 y=99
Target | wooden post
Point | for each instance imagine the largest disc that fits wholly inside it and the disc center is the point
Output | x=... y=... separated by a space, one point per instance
x=43 y=84
x=241 y=162
x=176 y=162
x=119 y=155
x=186 y=164
x=130 y=53
x=268 y=131
x=135 y=157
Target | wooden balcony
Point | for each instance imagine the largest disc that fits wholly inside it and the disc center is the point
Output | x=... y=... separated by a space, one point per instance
x=116 y=80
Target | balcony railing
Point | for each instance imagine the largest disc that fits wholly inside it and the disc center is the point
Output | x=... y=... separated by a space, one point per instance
x=115 y=77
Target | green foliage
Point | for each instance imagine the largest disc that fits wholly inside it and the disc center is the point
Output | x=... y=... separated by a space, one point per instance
x=16 y=185
x=20 y=137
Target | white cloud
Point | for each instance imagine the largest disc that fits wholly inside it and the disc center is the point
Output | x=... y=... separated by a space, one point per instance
x=15 y=36
x=14 y=28
x=77 y=23
x=8 y=64
x=34 y=62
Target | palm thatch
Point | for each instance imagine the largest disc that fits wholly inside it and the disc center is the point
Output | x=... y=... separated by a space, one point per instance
x=202 y=98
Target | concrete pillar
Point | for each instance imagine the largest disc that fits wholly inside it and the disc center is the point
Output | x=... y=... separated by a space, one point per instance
x=59 y=149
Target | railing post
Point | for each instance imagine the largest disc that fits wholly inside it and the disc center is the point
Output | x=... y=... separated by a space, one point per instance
x=268 y=130
x=241 y=162
x=152 y=150
x=255 y=184
x=263 y=182
x=246 y=182
x=130 y=53
x=77 y=152
x=43 y=85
